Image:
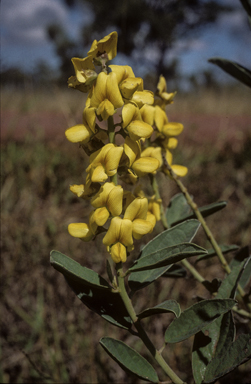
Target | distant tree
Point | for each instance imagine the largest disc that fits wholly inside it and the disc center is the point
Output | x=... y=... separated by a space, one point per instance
x=144 y=26
x=65 y=49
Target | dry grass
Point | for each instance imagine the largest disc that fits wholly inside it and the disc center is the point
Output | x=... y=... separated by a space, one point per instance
x=47 y=335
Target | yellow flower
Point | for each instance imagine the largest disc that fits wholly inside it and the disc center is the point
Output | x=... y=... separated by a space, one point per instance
x=137 y=213
x=160 y=118
x=148 y=113
x=107 y=46
x=104 y=162
x=140 y=165
x=180 y=170
x=154 y=207
x=137 y=129
x=167 y=98
x=172 y=129
x=109 y=196
x=83 y=231
x=105 y=97
x=118 y=238
x=143 y=97
x=130 y=112
x=130 y=85
x=85 y=191
x=85 y=74
x=153 y=152
x=122 y=72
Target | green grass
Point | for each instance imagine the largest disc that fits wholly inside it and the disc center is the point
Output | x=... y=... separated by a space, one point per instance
x=47 y=335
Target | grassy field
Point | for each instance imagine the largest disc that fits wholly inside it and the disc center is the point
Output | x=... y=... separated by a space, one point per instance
x=47 y=335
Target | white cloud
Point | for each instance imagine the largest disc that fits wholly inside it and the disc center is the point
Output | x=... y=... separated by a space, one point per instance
x=24 y=21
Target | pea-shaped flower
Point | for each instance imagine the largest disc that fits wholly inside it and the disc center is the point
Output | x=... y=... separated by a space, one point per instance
x=137 y=213
x=109 y=197
x=105 y=97
x=107 y=45
x=104 y=163
x=118 y=238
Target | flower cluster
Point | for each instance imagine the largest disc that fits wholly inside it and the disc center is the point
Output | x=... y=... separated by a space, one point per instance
x=122 y=215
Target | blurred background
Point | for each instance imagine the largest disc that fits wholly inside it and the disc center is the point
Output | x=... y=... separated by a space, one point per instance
x=47 y=335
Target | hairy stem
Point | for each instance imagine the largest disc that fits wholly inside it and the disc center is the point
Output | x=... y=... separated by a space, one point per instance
x=141 y=332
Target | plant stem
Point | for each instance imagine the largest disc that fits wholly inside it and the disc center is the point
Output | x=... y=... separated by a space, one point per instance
x=155 y=187
x=199 y=216
x=111 y=130
x=141 y=332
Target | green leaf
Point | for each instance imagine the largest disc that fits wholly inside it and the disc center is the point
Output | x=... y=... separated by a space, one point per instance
x=141 y=279
x=179 y=210
x=229 y=284
x=218 y=334
x=75 y=271
x=166 y=306
x=166 y=256
x=224 y=249
x=195 y=318
x=128 y=359
x=92 y=290
x=234 y=69
x=228 y=359
x=175 y=271
x=239 y=257
x=183 y=232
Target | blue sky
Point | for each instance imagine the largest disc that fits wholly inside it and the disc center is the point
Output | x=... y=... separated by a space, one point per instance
x=24 y=42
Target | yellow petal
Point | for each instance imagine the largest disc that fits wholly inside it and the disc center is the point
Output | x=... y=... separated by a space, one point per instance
x=79 y=133
x=131 y=149
x=172 y=129
x=138 y=129
x=141 y=227
x=161 y=87
x=111 y=197
x=99 y=92
x=115 y=201
x=78 y=190
x=118 y=253
x=137 y=209
x=113 y=92
x=105 y=109
x=130 y=85
x=153 y=152
x=119 y=230
x=130 y=112
x=83 y=68
x=151 y=218
x=180 y=170
x=106 y=45
x=143 y=97
x=80 y=230
x=98 y=174
x=112 y=159
x=101 y=215
x=89 y=118
x=170 y=143
x=145 y=165
x=122 y=72
x=147 y=114
x=160 y=118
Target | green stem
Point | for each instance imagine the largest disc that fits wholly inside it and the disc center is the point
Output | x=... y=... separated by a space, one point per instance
x=155 y=187
x=193 y=271
x=141 y=332
x=111 y=130
x=207 y=231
